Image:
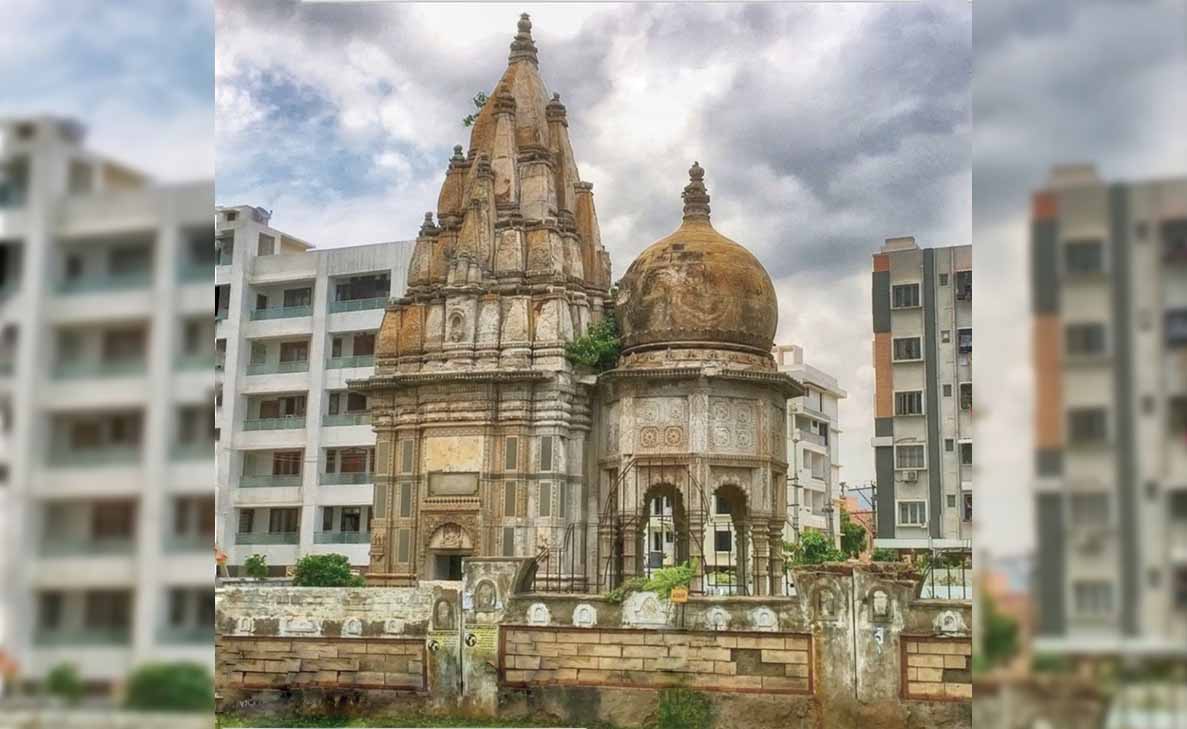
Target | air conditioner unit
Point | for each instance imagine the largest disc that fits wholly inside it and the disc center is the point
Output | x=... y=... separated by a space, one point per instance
x=910 y=475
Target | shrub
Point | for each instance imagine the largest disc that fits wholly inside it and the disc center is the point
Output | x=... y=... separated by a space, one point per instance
x=64 y=682
x=325 y=570
x=882 y=554
x=256 y=566
x=853 y=535
x=598 y=347
x=618 y=594
x=681 y=708
x=664 y=579
x=170 y=687
x=813 y=548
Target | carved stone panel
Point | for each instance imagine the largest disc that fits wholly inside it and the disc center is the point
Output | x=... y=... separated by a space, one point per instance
x=733 y=424
x=662 y=424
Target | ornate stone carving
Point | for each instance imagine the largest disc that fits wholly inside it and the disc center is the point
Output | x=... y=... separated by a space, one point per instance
x=585 y=616
x=486 y=596
x=352 y=628
x=764 y=618
x=950 y=622
x=538 y=614
x=450 y=536
x=717 y=618
x=443 y=618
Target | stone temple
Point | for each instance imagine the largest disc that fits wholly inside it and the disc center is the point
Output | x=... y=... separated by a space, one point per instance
x=491 y=442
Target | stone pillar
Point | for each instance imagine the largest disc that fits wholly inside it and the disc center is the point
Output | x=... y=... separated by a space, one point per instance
x=742 y=569
x=762 y=579
x=775 y=537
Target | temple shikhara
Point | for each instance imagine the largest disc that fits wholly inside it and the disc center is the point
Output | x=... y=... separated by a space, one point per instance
x=492 y=442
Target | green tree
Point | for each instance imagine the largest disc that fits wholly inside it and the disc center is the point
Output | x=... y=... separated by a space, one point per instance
x=882 y=554
x=64 y=682
x=256 y=566
x=813 y=548
x=598 y=347
x=853 y=535
x=1001 y=634
x=325 y=570
x=170 y=687
x=479 y=102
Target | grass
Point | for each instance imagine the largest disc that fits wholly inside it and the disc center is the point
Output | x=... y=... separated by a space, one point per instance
x=385 y=720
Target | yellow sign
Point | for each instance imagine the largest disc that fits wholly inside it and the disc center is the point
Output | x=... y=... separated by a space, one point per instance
x=679 y=595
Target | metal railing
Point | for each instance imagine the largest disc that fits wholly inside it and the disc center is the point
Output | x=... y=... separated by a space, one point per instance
x=811 y=437
x=337 y=307
x=106 y=282
x=269 y=481
x=81 y=370
x=268 y=538
x=177 y=634
x=196 y=362
x=83 y=636
x=342 y=537
x=281 y=312
x=195 y=271
x=57 y=546
x=288 y=422
x=278 y=368
x=361 y=360
x=331 y=421
x=189 y=542
x=110 y=456
x=347 y=479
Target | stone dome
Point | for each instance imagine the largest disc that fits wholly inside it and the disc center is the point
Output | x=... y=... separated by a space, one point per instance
x=697 y=289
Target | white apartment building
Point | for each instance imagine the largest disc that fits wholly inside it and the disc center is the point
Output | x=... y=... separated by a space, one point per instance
x=105 y=386
x=813 y=449
x=296 y=452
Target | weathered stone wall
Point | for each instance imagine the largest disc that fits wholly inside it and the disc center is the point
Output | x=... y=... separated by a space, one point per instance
x=371 y=663
x=937 y=669
x=750 y=662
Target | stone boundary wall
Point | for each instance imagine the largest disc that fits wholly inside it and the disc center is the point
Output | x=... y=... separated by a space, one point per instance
x=936 y=669
x=634 y=658
x=362 y=663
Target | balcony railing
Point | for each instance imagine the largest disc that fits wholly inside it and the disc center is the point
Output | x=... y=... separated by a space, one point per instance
x=81 y=370
x=281 y=312
x=347 y=479
x=337 y=307
x=196 y=362
x=289 y=422
x=189 y=542
x=58 y=546
x=107 y=282
x=268 y=538
x=110 y=456
x=331 y=421
x=186 y=634
x=83 y=636
x=197 y=451
x=342 y=537
x=278 y=368
x=360 y=360
x=811 y=437
x=269 y=481
x=195 y=271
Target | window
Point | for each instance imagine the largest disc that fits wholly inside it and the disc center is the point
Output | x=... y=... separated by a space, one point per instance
x=1178 y=505
x=406 y=500
x=122 y=345
x=230 y=216
x=1180 y=588
x=1093 y=597
x=129 y=259
x=721 y=540
x=403 y=544
x=1087 y=425
x=298 y=297
x=1084 y=339
x=947 y=390
x=949 y=444
x=1175 y=323
x=966 y=396
x=964 y=285
x=508 y=541
x=50 y=610
x=563 y=488
x=966 y=512
x=951 y=501
x=545 y=502
x=966 y=454
x=964 y=340
x=546 y=453
x=286 y=463
x=267 y=245
x=908 y=403
x=721 y=506
x=904 y=296
x=1091 y=510
x=1177 y=414
x=908 y=349
x=510 y=498
x=294 y=351
x=945 y=336
x=327 y=519
x=912 y=513
x=108 y=609
x=284 y=520
x=908 y=456
x=406 y=456
x=943 y=279
x=511 y=454
x=364 y=344
x=112 y=519
x=351 y=519
x=817 y=463
x=246 y=520
x=1083 y=256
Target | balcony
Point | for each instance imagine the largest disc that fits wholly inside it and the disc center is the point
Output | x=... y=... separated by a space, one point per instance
x=87 y=370
x=196 y=362
x=106 y=282
x=811 y=437
x=69 y=637
x=197 y=451
x=361 y=360
x=288 y=422
x=57 y=546
x=269 y=481
x=177 y=543
x=194 y=272
x=342 y=537
x=186 y=635
x=281 y=312
x=278 y=368
x=268 y=538
x=333 y=421
x=338 y=307
x=347 y=479
x=964 y=293
x=88 y=457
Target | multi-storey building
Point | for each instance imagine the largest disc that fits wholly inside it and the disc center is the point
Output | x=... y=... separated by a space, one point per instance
x=296 y=451
x=1109 y=300
x=813 y=448
x=923 y=395
x=105 y=385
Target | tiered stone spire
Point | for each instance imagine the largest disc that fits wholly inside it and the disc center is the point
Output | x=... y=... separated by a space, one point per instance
x=696 y=197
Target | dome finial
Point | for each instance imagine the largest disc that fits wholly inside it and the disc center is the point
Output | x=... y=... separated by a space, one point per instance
x=523 y=47
x=696 y=198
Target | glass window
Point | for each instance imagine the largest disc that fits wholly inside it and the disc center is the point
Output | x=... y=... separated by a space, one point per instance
x=546 y=453
x=966 y=454
x=904 y=296
x=298 y=297
x=351 y=520
x=1093 y=597
x=908 y=348
x=908 y=403
x=722 y=541
x=912 y=513
x=511 y=454
x=284 y=520
x=1087 y=425
x=966 y=396
x=1085 y=338
x=246 y=520
x=908 y=456
x=509 y=498
x=1084 y=256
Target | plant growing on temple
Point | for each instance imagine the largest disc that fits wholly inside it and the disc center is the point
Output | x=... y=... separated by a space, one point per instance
x=170 y=687
x=325 y=570
x=665 y=578
x=813 y=548
x=64 y=682
x=618 y=594
x=1000 y=644
x=853 y=535
x=598 y=347
x=256 y=566
x=882 y=554
x=479 y=102
x=682 y=708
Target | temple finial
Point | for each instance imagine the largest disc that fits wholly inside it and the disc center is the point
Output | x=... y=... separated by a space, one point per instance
x=696 y=197
x=523 y=47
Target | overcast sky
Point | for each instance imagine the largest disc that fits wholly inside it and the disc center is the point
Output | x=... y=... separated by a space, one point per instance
x=823 y=129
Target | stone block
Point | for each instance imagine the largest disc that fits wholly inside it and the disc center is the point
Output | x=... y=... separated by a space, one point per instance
x=912 y=647
x=234 y=678
x=798 y=670
x=531 y=663
x=644 y=651
x=253 y=666
x=621 y=664
x=725 y=668
x=283 y=665
x=925 y=689
x=782 y=656
x=516 y=676
x=795 y=644
x=666 y=664
x=595 y=676
x=601 y=650
x=315 y=650
x=964 y=649
x=389 y=649
x=959 y=690
x=773 y=683
x=355 y=648
x=327 y=678
x=930 y=675
x=954 y=661
x=542 y=636
x=347 y=678
x=739 y=682
x=726 y=641
x=925 y=661
x=654 y=639
x=273 y=646
x=623 y=638
x=339 y=664
x=369 y=678
x=713 y=654
x=261 y=680
x=678 y=650
x=587 y=636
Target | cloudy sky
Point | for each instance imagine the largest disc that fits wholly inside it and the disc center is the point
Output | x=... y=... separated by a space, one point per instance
x=823 y=129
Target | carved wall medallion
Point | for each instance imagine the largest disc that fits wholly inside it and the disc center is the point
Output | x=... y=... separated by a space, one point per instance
x=717 y=618
x=585 y=616
x=353 y=627
x=648 y=436
x=485 y=596
x=673 y=436
x=826 y=605
x=764 y=618
x=721 y=436
x=443 y=615
x=950 y=622
x=450 y=536
x=538 y=614
x=245 y=626
x=457 y=326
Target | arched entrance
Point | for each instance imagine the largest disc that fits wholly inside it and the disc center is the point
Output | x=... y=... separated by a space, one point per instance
x=727 y=543
x=447 y=546
x=664 y=533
